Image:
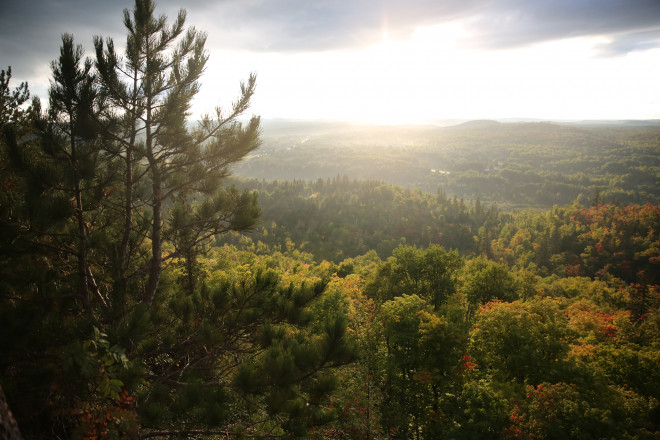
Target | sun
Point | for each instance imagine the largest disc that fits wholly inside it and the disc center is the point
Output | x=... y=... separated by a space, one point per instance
x=434 y=74
x=402 y=81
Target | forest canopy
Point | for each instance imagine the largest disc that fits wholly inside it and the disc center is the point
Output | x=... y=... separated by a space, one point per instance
x=109 y=204
x=145 y=292
x=515 y=165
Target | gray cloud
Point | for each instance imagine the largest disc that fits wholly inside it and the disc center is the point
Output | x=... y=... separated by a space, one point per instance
x=300 y=25
x=30 y=30
x=517 y=22
x=295 y=25
x=631 y=42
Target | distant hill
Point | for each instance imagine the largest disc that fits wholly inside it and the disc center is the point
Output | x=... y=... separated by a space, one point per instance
x=277 y=127
x=519 y=165
x=479 y=123
x=617 y=123
x=283 y=126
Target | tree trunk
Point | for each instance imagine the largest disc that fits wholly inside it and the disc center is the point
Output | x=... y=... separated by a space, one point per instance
x=84 y=271
x=122 y=263
x=156 y=265
x=8 y=426
x=156 y=240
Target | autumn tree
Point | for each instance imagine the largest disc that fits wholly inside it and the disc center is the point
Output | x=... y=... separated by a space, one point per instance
x=523 y=341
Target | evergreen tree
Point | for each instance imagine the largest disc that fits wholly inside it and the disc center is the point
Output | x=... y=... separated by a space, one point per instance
x=12 y=118
x=11 y=102
x=71 y=144
x=109 y=194
x=148 y=98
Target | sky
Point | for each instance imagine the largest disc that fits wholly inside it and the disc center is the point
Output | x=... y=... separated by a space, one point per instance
x=386 y=61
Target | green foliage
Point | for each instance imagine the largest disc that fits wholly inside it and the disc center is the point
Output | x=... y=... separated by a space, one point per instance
x=601 y=241
x=336 y=219
x=132 y=307
x=422 y=359
x=630 y=365
x=562 y=411
x=484 y=280
x=108 y=207
x=479 y=410
x=244 y=347
x=523 y=341
x=339 y=218
x=516 y=165
x=428 y=273
x=419 y=376
x=94 y=355
x=12 y=101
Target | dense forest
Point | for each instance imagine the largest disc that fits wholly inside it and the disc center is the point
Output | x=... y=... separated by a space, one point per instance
x=483 y=281
x=336 y=219
x=516 y=165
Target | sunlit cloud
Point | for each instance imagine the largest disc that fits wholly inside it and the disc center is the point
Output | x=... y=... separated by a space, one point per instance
x=435 y=74
x=390 y=61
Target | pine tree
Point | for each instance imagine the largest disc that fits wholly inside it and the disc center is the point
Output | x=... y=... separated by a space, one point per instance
x=112 y=198
x=11 y=102
x=13 y=117
x=72 y=144
x=149 y=97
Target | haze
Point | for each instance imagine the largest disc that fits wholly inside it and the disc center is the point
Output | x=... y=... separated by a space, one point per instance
x=389 y=61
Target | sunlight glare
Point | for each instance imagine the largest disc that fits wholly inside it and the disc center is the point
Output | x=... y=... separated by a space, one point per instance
x=432 y=76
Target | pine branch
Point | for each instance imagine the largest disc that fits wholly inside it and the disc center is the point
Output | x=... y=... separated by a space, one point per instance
x=223 y=432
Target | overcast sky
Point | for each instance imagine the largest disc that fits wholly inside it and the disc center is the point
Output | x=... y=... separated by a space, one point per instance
x=388 y=60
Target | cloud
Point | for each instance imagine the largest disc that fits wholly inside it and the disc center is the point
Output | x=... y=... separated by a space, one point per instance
x=30 y=30
x=301 y=25
x=630 y=42
x=513 y=23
